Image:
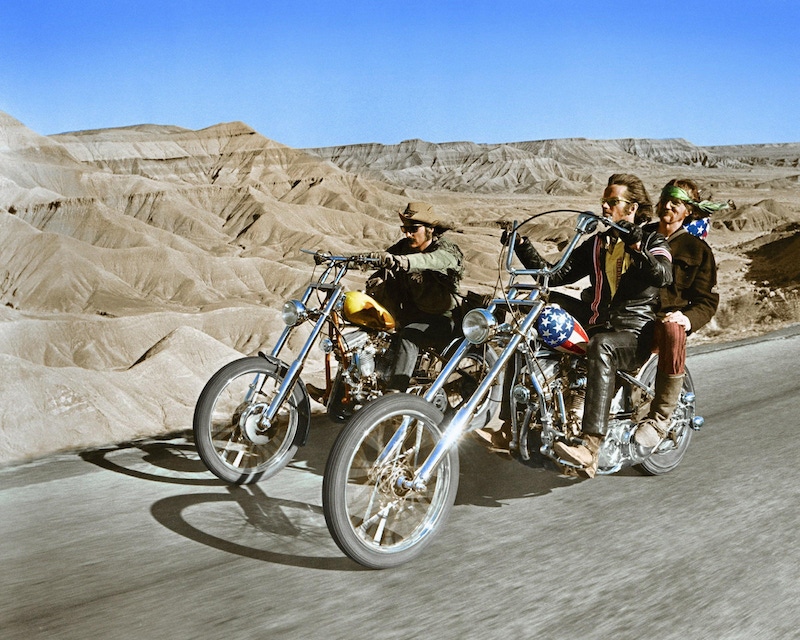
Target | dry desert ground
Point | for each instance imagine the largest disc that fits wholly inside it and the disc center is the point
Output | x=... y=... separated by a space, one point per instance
x=138 y=260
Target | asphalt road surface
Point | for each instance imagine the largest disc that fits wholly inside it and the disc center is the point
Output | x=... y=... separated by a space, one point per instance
x=139 y=541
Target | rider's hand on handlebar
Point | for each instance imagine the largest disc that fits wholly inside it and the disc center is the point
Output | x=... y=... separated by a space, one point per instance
x=633 y=233
x=505 y=238
x=390 y=261
x=321 y=257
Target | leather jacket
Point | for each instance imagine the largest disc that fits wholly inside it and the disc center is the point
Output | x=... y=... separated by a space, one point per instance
x=636 y=299
x=694 y=279
x=431 y=282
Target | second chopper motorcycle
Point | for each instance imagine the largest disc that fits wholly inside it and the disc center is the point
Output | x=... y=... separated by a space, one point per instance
x=254 y=413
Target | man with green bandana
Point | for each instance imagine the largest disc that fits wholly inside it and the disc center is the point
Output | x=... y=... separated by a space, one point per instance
x=685 y=305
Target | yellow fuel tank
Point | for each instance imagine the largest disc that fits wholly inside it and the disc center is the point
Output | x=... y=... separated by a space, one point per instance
x=365 y=311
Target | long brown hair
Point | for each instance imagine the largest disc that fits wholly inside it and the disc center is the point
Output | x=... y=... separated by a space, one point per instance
x=638 y=194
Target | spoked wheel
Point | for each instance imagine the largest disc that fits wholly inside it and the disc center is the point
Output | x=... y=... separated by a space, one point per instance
x=463 y=382
x=374 y=517
x=231 y=437
x=670 y=452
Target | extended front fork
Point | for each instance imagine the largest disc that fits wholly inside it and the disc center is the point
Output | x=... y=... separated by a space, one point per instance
x=462 y=418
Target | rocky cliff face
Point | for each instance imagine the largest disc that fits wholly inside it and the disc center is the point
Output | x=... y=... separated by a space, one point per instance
x=135 y=261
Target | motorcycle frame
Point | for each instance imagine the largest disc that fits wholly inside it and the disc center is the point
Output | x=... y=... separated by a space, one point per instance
x=330 y=283
x=519 y=295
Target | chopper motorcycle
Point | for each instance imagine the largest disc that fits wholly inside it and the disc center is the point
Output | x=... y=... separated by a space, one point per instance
x=254 y=413
x=392 y=473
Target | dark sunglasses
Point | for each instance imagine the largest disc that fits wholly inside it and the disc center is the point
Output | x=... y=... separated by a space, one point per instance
x=410 y=228
x=613 y=202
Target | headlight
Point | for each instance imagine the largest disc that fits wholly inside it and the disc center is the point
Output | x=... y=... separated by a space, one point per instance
x=294 y=312
x=479 y=326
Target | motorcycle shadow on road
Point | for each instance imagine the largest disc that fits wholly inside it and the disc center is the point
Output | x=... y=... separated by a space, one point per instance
x=171 y=459
x=247 y=522
x=488 y=479
x=255 y=521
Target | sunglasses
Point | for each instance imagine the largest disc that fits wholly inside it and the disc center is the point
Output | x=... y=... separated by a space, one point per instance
x=613 y=202
x=410 y=228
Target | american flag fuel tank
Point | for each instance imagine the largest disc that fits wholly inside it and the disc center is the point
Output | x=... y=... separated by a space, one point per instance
x=560 y=331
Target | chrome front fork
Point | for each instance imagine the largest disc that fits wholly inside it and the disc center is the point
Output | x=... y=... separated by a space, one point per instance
x=464 y=415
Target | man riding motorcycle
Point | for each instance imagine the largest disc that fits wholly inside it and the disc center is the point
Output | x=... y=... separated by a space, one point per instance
x=686 y=305
x=626 y=271
x=418 y=283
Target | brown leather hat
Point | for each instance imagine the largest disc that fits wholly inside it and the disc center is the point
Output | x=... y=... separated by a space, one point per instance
x=423 y=213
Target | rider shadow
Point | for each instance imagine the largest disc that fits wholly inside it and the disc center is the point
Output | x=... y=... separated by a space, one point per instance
x=488 y=479
x=278 y=538
x=314 y=455
x=173 y=454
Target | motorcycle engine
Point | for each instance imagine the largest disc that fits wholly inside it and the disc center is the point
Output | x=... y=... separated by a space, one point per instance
x=365 y=349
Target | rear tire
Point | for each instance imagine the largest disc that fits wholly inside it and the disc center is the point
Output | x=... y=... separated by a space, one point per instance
x=670 y=457
x=463 y=382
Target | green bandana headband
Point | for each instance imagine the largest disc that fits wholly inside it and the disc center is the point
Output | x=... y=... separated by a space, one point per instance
x=706 y=206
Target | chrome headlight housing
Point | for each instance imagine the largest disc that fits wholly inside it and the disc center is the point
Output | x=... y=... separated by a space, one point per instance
x=479 y=326
x=294 y=312
x=326 y=345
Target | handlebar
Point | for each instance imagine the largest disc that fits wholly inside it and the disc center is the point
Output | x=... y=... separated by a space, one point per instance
x=586 y=224
x=356 y=259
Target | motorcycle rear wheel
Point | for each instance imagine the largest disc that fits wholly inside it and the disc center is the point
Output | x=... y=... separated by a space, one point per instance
x=660 y=463
x=373 y=520
x=221 y=441
x=463 y=382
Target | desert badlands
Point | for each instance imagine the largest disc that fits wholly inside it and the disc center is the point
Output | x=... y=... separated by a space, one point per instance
x=138 y=260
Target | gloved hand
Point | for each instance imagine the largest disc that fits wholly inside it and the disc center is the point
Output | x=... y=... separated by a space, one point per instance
x=505 y=238
x=321 y=257
x=390 y=261
x=633 y=233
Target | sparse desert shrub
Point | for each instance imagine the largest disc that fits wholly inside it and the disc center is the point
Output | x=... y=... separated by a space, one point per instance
x=758 y=308
x=738 y=311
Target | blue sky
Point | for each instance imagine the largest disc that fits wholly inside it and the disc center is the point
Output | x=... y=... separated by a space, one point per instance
x=309 y=73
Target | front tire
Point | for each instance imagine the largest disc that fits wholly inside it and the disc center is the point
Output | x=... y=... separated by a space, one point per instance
x=221 y=422
x=370 y=516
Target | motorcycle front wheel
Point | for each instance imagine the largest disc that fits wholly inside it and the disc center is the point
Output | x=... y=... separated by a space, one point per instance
x=372 y=518
x=226 y=411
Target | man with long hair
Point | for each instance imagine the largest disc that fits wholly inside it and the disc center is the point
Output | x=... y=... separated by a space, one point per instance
x=626 y=270
x=686 y=305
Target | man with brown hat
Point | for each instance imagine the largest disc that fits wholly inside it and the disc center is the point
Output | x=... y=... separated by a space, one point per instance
x=418 y=282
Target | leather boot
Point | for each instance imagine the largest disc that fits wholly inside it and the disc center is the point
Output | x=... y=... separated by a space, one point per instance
x=499 y=441
x=316 y=393
x=653 y=429
x=584 y=454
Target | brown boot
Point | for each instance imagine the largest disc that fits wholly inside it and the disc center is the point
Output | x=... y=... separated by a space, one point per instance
x=654 y=428
x=498 y=441
x=584 y=455
x=315 y=393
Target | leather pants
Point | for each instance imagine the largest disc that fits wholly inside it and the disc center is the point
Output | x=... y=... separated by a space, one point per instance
x=429 y=331
x=607 y=353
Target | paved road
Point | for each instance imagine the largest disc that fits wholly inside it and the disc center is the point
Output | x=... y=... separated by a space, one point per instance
x=138 y=541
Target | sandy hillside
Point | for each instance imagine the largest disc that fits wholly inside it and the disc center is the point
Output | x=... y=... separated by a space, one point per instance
x=136 y=261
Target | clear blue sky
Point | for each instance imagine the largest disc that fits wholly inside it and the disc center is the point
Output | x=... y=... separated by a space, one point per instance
x=314 y=73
